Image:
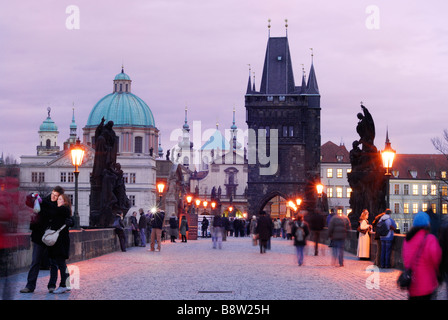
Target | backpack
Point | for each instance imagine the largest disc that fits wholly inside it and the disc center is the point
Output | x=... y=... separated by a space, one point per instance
x=382 y=229
x=300 y=233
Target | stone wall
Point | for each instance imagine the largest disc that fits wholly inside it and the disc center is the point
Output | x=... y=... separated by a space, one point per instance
x=351 y=245
x=84 y=244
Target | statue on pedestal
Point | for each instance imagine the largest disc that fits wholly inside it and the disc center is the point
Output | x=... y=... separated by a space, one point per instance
x=366 y=179
x=108 y=191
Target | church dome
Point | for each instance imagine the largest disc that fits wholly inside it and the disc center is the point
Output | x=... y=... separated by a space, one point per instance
x=48 y=125
x=122 y=76
x=122 y=107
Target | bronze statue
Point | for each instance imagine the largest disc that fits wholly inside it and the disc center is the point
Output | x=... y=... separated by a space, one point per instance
x=108 y=192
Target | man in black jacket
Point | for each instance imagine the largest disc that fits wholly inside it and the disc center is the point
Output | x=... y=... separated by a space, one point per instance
x=39 y=223
x=157 y=226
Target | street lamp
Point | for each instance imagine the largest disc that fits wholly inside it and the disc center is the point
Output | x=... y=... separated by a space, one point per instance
x=320 y=189
x=160 y=188
x=388 y=155
x=298 y=201
x=77 y=155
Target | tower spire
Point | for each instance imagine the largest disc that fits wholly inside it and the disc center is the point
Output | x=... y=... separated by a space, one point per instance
x=249 y=85
x=269 y=28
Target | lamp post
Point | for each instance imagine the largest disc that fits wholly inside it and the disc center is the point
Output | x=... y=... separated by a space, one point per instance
x=388 y=155
x=77 y=155
x=160 y=188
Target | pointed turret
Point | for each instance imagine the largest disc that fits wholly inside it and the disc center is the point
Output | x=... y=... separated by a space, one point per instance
x=312 y=87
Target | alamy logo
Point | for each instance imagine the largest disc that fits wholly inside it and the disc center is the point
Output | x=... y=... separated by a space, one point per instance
x=73 y=20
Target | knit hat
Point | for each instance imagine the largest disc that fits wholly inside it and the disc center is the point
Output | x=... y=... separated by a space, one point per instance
x=421 y=219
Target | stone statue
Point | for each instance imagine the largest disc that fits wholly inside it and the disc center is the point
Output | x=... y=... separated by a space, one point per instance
x=107 y=188
x=366 y=179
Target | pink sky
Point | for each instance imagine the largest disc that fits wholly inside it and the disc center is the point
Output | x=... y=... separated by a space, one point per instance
x=196 y=53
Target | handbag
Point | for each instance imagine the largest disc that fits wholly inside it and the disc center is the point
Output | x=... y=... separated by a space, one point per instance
x=405 y=279
x=51 y=236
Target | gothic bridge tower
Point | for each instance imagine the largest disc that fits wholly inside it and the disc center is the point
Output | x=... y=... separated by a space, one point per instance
x=294 y=111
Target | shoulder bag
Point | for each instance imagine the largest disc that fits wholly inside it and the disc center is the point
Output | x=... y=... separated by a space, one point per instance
x=51 y=236
x=405 y=278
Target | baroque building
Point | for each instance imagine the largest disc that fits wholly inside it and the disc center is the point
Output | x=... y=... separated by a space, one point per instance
x=138 y=140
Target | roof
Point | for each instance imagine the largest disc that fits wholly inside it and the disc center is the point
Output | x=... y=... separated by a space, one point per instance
x=277 y=77
x=125 y=109
x=332 y=153
x=419 y=166
x=48 y=125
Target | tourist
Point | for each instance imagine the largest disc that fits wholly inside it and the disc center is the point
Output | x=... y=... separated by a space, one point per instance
x=331 y=215
x=157 y=226
x=277 y=227
x=386 y=241
x=119 y=230
x=253 y=230
x=174 y=227
x=364 y=228
x=443 y=241
x=204 y=227
x=134 y=227
x=216 y=232
x=337 y=232
x=377 y=238
x=317 y=223
x=264 y=231
x=183 y=228
x=300 y=230
x=142 y=223
x=422 y=254
x=59 y=252
x=39 y=223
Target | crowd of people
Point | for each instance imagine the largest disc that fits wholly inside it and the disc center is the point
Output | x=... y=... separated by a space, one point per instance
x=423 y=252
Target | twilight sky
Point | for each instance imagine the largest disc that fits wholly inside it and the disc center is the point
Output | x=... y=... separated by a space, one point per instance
x=392 y=55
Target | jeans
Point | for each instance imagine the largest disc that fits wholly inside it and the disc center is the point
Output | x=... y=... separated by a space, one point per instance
x=38 y=253
x=299 y=251
x=217 y=237
x=386 y=246
x=55 y=265
x=338 y=251
x=143 y=237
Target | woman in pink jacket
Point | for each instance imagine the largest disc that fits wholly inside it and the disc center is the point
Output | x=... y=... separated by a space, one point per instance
x=425 y=266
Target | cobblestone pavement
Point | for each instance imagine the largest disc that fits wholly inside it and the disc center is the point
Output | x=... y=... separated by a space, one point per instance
x=196 y=271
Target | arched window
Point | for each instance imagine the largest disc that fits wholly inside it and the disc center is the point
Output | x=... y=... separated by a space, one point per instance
x=121 y=87
x=138 y=145
x=48 y=143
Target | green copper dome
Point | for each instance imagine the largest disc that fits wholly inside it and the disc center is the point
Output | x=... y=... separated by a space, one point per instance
x=122 y=76
x=48 y=125
x=122 y=107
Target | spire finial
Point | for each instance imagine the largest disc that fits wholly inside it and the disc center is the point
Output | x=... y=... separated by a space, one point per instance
x=286 y=26
x=269 y=28
x=312 y=55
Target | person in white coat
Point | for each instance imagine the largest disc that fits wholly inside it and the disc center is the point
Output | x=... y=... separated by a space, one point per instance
x=364 y=236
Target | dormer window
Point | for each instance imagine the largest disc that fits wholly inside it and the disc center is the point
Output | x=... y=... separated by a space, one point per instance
x=413 y=173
